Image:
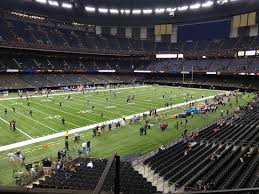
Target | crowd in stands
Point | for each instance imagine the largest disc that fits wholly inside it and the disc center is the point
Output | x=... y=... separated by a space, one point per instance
x=21 y=32
x=235 y=66
x=36 y=81
x=33 y=64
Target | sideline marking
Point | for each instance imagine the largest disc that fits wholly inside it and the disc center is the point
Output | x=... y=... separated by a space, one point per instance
x=18 y=129
x=85 y=128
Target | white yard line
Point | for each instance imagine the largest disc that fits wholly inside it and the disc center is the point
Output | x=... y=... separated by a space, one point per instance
x=42 y=112
x=18 y=129
x=112 y=104
x=60 y=134
x=68 y=93
x=64 y=104
x=32 y=119
x=65 y=112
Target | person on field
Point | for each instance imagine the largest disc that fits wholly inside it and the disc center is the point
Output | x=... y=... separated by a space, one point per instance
x=10 y=156
x=66 y=134
x=141 y=130
x=145 y=131
x=95 y=130
x=63 y=121
x=88 y=145
x=14 y=125
x=66 y=145
x=77 y=137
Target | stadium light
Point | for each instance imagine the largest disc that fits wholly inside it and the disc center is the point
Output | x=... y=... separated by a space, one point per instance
x=67 y=5
x=127 y=11
x=159 y=10
x=169 y=9
x=147 y=11
x=207 y=4
x=53 y=3
x=221 y=2
x=103 y=10
x=41 y=1
x=90 y=9
x=195 y=6
x=136 y=11
x=114 y=11
x=183 y=8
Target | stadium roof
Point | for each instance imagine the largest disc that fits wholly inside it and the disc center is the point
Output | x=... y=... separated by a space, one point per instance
x=133 y=11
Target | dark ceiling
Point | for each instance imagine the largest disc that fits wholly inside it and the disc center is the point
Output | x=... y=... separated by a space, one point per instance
x=78 y=13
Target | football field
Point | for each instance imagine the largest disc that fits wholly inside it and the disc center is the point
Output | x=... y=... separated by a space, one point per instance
x=85 y=109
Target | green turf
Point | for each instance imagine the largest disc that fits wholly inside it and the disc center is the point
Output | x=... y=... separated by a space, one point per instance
x=124 y=141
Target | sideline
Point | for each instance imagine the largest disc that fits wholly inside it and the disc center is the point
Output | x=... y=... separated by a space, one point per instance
x=73 y=92
x=85 y=128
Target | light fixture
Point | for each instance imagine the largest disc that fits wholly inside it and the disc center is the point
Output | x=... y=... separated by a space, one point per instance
x=41 y=1
x=221 y=2
x=67 y=5
x=207 y=4
x=103 y=10
x=159 y=10
x=183 y=8
x=136 y=11
x=90 y=9
x=114 y=11
x=147 y=11
x=169 y=9
x=53 y=3
x=127 y=11
x=195 y=6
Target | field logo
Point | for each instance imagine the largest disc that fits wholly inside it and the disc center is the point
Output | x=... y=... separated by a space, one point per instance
x=53 y=117
x=17 y=103
x=85 y=111
x=46 y=100
x=109 y=107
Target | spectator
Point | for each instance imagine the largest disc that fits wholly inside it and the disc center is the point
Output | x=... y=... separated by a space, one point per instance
x=90 y=164
x=77 y=137
x=59 y=165
x=33 y=172
x=161 y=148
x=10 y=156
x=46 y=166
x=88 y=146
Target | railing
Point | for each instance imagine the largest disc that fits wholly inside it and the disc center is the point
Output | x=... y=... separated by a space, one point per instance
x=230 y=191
x=55 y=48
x=138 y=163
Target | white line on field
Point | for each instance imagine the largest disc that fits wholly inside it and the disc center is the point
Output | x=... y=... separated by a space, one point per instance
x=32 y=119
x=18 y=129
x=43 y=112
x=68 y=93
x=64 y=104
x=65 y=112
x=60 y=134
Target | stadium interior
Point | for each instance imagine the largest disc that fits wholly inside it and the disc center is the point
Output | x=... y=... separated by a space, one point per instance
x=166 y=92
